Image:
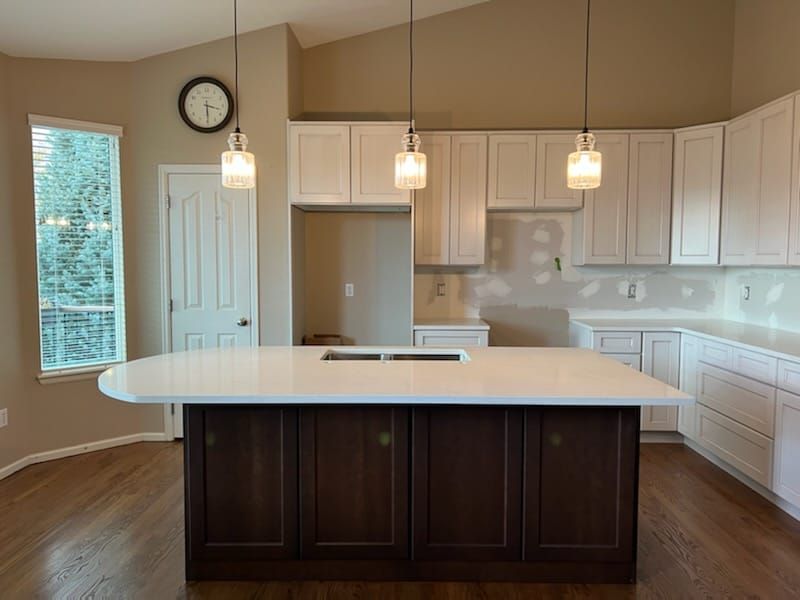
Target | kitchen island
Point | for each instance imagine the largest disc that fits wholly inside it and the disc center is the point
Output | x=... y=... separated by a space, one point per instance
x=504 y=464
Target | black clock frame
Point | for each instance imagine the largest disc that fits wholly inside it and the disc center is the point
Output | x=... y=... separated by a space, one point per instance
x=182 y=98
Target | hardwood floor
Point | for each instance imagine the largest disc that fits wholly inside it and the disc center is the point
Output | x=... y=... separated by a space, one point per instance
x=110 y=525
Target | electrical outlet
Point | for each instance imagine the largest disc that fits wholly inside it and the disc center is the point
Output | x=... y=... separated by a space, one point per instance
x=632 y=290
x=349 y=290
x=746 y=292
x=441 y=289
x=3 y=417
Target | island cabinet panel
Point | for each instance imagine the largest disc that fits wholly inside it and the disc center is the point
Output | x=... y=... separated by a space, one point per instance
x=354 y=482
x=467 y=464
x=241 y=482
x=581 y=473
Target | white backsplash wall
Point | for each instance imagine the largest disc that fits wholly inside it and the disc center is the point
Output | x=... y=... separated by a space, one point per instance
x=528 y=301
x=774 y=296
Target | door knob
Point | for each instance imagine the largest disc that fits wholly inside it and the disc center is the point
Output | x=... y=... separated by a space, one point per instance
x=242 y=322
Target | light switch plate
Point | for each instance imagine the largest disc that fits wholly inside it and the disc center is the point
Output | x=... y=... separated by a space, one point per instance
x=349 y=290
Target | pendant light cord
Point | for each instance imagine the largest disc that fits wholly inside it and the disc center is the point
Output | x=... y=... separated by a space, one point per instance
x=411 y=67
x=236 y=59
x=586 y=71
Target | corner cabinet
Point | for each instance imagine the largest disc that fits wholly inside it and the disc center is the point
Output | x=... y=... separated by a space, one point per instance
x=757 y=186
x=344 y=164
x=450 y=212
x=697 y=195
x=660 y=360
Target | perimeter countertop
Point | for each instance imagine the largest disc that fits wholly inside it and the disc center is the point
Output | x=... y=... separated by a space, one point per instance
x=451 y=324
x=296 y=375
x=781 y=343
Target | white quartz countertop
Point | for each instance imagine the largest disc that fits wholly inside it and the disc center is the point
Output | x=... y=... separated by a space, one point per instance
x=783 y=344
x=296 y=375
x=453 y=324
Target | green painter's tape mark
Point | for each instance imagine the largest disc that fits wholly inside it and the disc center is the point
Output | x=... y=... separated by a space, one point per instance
x=558 y=263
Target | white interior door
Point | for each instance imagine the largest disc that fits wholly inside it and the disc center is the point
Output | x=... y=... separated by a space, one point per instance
x=211 y=255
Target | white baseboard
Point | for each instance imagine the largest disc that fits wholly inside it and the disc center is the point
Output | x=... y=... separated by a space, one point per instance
x=785 y=506
x=40 y=457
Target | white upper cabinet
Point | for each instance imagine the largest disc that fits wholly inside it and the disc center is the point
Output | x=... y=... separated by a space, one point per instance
x=660 y=360
x=757 y=186
x=600 y=229
x=551 y=191
x=432 y=205
x=512 y=172
x=319 y=164
x=649 y=198
x=697 y=195
x=372 y=152
x=468 y=200
x=794 y=220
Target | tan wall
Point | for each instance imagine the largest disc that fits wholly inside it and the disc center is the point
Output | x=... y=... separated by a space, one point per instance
x=373 y=252
x=765 y=52
x=62 y=414
x=519 y=64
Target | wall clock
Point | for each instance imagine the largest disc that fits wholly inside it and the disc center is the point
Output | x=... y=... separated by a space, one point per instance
x=205 y=104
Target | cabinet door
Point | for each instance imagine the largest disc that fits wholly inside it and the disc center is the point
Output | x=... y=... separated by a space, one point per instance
x=241 y=482
x=512 y=171
x=688 y=383
x=739 y=191
x=794 y=220
x=432 y=205
x=551 y=188
x=600 y=228
x=467 y=483
x=354 y=482
x=373 y=148
x=774 y=184
x=649 y=198
x=581 y=475
x=787 y=448
x=319 y=164
x=468 y=200
x=660 y=360
x=697 y=196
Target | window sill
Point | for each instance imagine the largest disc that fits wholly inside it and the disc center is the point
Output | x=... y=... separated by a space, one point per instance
x=68 y=375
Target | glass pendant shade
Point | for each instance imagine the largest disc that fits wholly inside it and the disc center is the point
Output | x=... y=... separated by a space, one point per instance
x=411 y=165
x=238 y=165
x=585 y=165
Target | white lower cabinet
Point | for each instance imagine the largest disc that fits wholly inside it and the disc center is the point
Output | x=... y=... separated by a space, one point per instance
x=660 y=360
x=747 y=450
x=451 y=338
x=687 y=424
x=634 y=361
x=787 y=447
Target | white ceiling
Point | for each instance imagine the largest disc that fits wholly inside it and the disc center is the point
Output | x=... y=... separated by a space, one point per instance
x=132 y=29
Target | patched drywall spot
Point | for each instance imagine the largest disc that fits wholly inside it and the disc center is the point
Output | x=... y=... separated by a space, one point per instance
x=541 y=235
x=686 y=291
x=539 y=257
x=542 y=278
x=774 y=294
x=641 y=291
x=493 y=287
x=590 y=290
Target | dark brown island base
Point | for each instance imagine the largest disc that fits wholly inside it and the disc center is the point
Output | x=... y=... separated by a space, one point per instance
x=391 y=492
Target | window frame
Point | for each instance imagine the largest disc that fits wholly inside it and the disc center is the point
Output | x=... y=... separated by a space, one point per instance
x=86 y=371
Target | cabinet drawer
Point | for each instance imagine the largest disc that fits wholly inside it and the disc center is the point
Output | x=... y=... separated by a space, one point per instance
x=713 y=353
x=749 y=402
x=741 y=447
x=464 y=338
x=632 y=360
x=618 y=342
x=787 y=448
x=789 y=376
x=758 y=366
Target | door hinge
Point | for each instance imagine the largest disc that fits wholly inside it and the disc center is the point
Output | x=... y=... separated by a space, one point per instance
x=171 y=304
x=168 y=201
x=172 y=409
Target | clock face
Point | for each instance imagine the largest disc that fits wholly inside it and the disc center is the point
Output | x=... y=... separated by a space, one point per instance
x=205 y=104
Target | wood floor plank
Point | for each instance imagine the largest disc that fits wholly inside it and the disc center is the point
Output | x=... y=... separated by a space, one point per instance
x=110 y=525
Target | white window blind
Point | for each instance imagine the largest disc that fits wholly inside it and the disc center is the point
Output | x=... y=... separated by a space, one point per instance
x=78 y=245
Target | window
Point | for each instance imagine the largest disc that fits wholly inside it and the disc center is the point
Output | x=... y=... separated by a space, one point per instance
x=76 y=186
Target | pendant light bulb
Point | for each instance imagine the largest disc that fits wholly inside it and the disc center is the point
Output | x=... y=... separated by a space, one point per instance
x=585 y=165
x=238 y=165
x=410 y=165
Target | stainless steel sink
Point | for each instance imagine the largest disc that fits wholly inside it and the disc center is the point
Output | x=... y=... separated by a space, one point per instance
x=424 y=354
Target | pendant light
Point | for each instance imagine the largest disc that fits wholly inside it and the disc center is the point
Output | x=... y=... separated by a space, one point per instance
x=584 y=166
x=410 y=165
x=238 y=165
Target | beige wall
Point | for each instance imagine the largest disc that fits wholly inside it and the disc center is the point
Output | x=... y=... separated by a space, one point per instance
x=373 y=252
x=519 y=64
x=766 y=52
